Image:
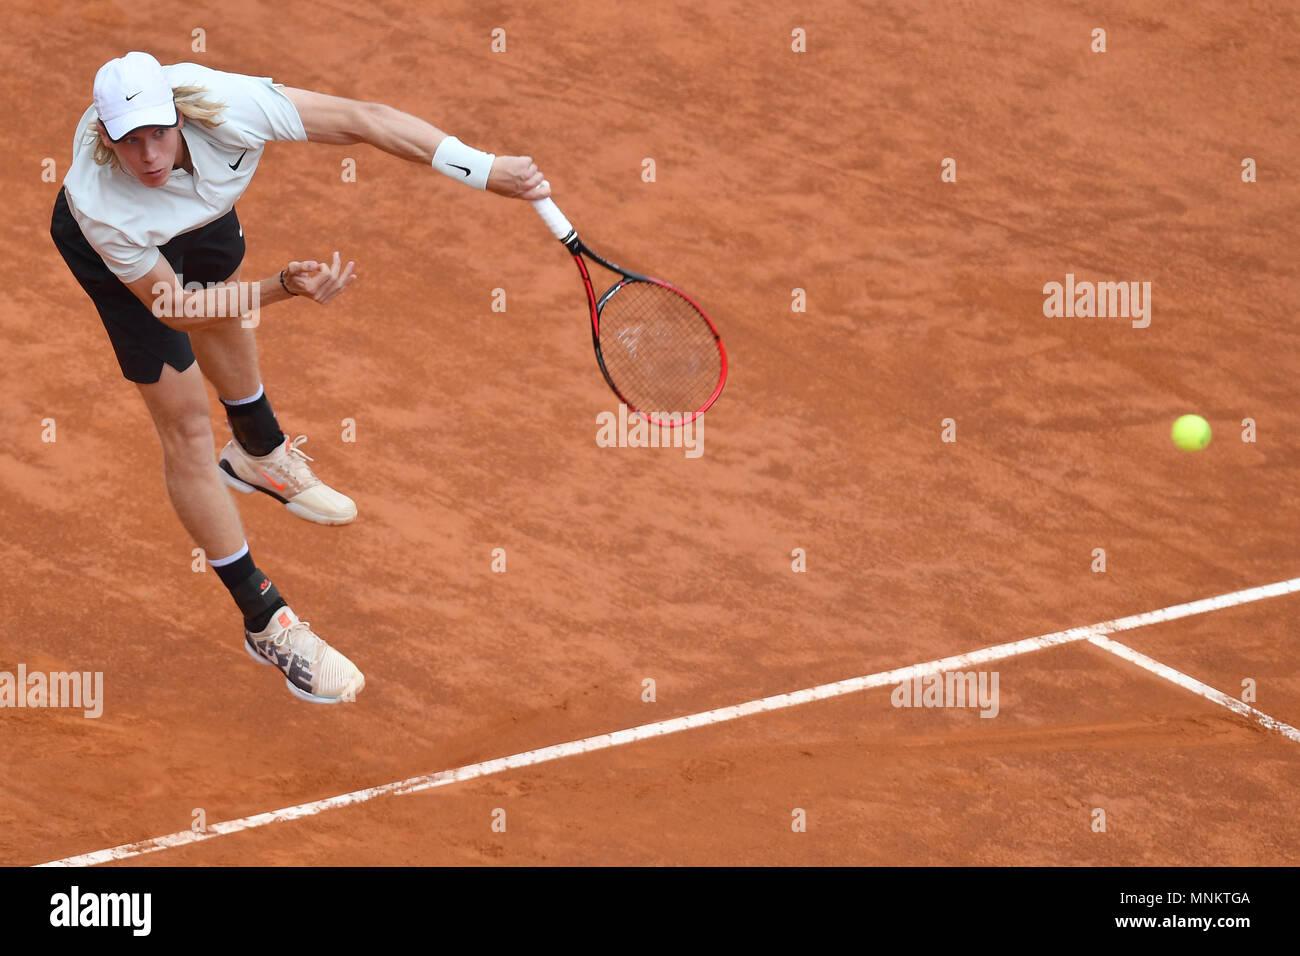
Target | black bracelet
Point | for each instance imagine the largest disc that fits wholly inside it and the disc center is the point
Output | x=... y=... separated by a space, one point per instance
x=282 y=282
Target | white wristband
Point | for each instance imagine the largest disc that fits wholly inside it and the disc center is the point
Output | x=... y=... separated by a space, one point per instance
x=463 y=163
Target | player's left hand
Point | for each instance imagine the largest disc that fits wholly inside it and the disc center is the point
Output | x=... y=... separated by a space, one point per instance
x=517 y=177
x=319 y=281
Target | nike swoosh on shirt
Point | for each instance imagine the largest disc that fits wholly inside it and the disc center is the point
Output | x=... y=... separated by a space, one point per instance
x=235 y=164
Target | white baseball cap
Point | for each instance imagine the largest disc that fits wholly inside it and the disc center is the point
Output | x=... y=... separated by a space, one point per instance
x=131 y=92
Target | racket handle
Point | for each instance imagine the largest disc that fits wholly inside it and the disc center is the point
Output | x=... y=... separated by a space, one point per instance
x=560 y=227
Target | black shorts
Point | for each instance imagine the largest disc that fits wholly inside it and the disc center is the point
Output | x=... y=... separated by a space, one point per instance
x=210 y=253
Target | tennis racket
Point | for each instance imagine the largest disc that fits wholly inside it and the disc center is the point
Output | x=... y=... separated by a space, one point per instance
x=657 y=349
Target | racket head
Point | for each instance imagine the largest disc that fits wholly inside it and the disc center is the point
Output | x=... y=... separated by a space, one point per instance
x=658 y=350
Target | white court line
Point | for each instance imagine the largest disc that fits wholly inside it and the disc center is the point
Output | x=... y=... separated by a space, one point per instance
x=1195 y=686
x=704 y=719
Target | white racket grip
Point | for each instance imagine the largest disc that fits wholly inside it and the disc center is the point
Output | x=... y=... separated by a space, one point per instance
x=560 y=227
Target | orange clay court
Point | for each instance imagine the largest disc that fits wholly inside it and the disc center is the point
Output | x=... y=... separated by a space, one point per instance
x=775 y=170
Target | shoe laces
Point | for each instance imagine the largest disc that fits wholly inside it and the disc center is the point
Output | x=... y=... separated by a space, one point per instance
x=293 y=447
x=298 y=637
x=296 y=462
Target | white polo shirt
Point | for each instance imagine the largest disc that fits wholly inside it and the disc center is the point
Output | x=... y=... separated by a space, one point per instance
x=126 y=221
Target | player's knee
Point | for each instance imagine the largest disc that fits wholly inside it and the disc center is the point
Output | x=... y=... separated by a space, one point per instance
x=187 y=439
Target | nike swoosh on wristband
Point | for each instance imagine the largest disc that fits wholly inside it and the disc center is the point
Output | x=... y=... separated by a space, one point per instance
x=235 y=164
x=464 y=169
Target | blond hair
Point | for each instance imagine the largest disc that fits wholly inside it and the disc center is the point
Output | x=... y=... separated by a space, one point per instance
x=192 y=101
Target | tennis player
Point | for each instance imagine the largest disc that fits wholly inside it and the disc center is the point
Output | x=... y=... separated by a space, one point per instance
x=147 y=210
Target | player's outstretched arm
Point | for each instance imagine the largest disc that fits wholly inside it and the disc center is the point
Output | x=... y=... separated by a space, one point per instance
x=339 y=121
x=188 y=310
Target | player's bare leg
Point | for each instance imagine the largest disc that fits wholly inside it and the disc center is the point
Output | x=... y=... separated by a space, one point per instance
x=178 y=403
x=227 y=354
x=261 y=458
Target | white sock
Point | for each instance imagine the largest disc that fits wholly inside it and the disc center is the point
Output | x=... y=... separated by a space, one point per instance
x=222 y=562
x=245 y=401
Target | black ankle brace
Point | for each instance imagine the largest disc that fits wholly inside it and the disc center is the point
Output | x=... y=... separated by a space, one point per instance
x=255 y=426
x=257 y=597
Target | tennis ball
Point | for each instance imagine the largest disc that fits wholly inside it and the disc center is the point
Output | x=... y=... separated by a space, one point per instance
x=1191 y=433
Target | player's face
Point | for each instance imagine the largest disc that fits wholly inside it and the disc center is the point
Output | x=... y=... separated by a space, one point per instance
x=149 y=152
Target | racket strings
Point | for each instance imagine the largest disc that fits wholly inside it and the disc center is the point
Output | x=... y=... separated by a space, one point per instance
x=658 y=349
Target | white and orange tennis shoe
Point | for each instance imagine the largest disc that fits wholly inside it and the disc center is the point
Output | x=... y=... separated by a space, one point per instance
x=312 y=669
x=285 y=475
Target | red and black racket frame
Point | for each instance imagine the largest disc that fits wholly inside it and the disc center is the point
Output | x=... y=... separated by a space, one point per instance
x=577 y=249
